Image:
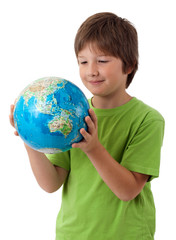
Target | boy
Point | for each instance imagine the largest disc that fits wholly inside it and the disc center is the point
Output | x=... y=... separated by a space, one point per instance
x=106 y=177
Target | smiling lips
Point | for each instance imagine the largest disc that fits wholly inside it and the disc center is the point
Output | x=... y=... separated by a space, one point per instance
x=96 y=82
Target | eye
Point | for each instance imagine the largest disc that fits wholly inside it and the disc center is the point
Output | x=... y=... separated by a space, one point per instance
x=83 y=62
x=102 y=61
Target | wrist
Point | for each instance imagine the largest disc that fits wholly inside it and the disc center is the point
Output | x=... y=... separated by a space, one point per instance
x=31 y=150
x=97 y=150
x=28 y=148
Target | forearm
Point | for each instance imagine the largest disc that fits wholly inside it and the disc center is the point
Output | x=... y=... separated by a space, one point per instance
x=49 y=177
x=44 y=171
x=120 y=180
x=125 y=184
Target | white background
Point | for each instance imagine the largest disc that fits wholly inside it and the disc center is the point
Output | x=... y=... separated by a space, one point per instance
x=36 y=40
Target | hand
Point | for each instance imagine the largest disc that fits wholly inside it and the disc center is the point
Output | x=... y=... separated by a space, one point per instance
x=11 y=118
x=90 y=141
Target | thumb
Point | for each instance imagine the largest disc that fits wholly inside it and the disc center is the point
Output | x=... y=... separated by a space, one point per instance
x=75 y=145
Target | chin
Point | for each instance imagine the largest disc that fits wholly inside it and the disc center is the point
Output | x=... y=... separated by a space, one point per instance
x=98 y=94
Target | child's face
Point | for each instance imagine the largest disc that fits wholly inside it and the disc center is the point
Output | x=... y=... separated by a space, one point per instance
x=101 y=74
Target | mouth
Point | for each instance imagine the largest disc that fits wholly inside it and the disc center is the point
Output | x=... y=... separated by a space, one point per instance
x=96 y=82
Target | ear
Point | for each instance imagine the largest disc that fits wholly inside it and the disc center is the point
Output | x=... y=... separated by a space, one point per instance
x=129 y=70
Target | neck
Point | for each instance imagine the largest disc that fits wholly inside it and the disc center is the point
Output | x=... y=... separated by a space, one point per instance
x=107 y=103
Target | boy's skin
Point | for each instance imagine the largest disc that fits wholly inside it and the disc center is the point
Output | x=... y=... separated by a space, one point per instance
x=103 y=77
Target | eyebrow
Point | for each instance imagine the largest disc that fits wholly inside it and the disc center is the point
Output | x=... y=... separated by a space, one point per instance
x=97 y=56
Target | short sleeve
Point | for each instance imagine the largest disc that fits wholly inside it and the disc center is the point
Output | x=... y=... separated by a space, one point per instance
x=60 y=159
x=143 y=152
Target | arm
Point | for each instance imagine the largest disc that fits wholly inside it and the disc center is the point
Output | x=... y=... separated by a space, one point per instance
x=49 y=177
x=125 y=184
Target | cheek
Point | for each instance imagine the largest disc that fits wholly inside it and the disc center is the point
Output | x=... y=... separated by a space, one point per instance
x=108 y=74
x=114 y=72
x=108 y=71
x=80 y=72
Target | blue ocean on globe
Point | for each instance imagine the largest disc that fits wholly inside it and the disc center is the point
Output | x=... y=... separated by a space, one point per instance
x=49 y=114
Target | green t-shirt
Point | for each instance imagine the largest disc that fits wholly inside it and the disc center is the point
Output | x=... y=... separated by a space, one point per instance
x=132 y=134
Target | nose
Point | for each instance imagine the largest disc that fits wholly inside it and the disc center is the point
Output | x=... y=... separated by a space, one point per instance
x=92 y=70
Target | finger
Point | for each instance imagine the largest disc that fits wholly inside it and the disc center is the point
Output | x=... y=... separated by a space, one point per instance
x=11 y=119
x=11 y=115
x=16 y=133
x=12 y=107
x=13 y=125
x=90 y=124
x=85 y=134
x=77 y=145
x=93 y=116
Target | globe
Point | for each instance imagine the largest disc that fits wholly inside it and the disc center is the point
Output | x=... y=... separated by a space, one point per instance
x=49 y=114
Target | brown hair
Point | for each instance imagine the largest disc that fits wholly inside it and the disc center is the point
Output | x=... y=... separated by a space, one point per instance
x=113 y=35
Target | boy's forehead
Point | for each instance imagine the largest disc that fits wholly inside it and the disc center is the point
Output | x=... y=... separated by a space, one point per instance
x=94 y=48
